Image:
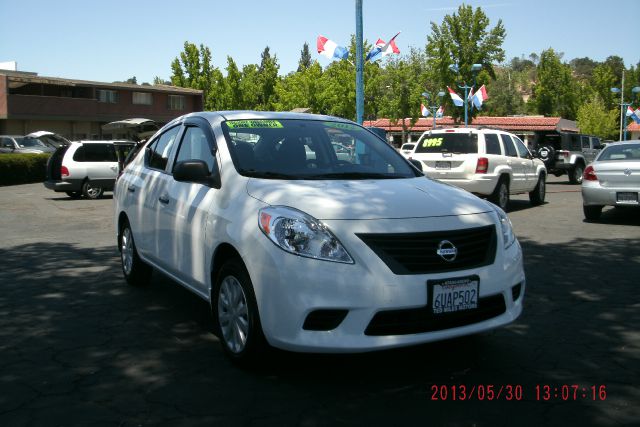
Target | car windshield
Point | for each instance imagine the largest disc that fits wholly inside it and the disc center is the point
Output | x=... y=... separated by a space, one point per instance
x=311 y=149
x=29 y=142
x=451 y=142
x=408 y=146
x=620 y=152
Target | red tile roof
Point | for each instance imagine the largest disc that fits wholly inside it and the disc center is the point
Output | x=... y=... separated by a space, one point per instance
x=522 y=123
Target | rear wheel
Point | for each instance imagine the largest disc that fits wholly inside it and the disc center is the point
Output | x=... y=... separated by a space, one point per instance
x=575 y=174
x=592 y=213
x=538 y=194
x=235 y=313
x=135 y=271
x=91 y=191
x=500 y=195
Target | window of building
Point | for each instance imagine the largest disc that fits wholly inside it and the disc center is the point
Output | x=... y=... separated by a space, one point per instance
x=109 y=96
x=176 y=102
x=142 y=98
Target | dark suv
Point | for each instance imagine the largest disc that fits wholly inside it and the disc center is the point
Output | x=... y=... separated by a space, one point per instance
x=567 y=153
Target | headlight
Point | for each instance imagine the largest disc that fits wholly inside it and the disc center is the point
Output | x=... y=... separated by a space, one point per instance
x=505 y=226
x=301 y=234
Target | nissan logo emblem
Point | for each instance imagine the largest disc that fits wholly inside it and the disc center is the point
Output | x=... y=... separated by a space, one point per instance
x=447 y=251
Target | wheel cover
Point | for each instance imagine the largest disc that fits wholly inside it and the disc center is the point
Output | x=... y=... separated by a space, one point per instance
x=126 y=251
x=503 y=196
x=233 y=314
x=578 y=174
x=93 y=191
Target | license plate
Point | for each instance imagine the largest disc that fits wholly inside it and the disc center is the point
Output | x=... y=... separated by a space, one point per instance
x=454 y=294
x=443 y=165
x=627 y=197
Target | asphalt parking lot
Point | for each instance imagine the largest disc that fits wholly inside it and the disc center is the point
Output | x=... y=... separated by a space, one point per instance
x=80 y=347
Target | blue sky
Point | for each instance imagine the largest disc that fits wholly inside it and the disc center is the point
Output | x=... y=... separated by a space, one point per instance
x=114 y=40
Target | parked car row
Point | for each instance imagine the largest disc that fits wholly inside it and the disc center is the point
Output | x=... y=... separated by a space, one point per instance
x=24 y=145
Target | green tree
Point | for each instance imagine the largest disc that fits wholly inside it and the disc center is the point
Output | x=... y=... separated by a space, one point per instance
x=305 y=58
x=233 y=86
x=464 y=38
x=301 y=89
x=506 y=93
x=595 y=119
x=583 y=67
x=194 y=69
x=268 y=79
x=602 y=80
x=250 y=87
x=555 y=92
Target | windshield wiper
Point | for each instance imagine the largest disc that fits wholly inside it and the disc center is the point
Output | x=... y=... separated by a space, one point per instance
x=357 y=175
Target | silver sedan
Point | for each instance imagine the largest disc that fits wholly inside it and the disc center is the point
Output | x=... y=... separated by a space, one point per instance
x=613 y=179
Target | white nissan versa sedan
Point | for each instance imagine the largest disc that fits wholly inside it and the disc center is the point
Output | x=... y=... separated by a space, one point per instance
x=304 y=250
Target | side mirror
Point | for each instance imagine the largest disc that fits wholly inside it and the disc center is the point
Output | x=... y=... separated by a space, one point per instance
x=416 y=163
x=196 y=171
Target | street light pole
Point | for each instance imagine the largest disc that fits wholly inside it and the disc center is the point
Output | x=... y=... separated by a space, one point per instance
x=433 y=108
x=359 y=65
x=474 y=70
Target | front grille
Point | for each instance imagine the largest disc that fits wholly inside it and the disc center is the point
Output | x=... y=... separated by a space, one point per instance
x=419 y=320
x=415 y=253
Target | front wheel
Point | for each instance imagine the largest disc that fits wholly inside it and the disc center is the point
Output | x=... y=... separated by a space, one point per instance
x=135 y=271
x=235 y=312
x=500 y=195
x=91 y=191
x=575 y=174
x=592 y=213
x=538 y=194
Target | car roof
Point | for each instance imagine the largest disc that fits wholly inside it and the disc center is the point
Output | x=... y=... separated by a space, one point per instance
x=216 y=117
x=109 y=141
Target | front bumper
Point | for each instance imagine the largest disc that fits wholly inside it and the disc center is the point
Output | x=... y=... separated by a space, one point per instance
x=593 y=194
x=288 y=288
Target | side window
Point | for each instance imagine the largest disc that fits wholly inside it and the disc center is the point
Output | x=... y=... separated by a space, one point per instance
x=492 y=144
x=575 y=142
x=98 y=153
x=194 y=146
x=509 y=148
x=6 y=143
x=78 y=156
x=161 y=148
x=585 y=142
x=522 y=150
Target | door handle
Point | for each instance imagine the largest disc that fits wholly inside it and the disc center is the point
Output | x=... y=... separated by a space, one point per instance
x=131 y=189
x=164 y=200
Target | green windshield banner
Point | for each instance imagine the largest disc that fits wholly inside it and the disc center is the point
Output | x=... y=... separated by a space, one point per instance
x=249 y=124
x=432 y=142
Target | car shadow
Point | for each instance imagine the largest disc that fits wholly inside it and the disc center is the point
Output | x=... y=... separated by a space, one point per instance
x=73 y=332
x=618 y=216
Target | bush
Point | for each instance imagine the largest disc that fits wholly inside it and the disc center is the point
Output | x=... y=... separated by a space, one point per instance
x=22 y=168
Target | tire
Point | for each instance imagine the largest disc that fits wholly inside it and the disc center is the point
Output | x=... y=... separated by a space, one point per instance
x=500 y=195
x=136 y=272
x=235 y=314
x=91 y=191
x=575 y=174
x=74 y=194
x=536 y=197
x=547 y=154
x=592 y=213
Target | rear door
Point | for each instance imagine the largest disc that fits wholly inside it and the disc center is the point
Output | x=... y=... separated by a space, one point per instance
x=513 y=161
x=528 y=166
x=100 y=162
x=183 y=218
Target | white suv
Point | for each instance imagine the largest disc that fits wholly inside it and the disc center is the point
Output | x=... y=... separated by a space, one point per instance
x=86 y=168
x=486 y=162
x=300 y=248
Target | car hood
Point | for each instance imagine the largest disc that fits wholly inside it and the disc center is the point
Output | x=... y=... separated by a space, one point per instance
x=368 y=199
